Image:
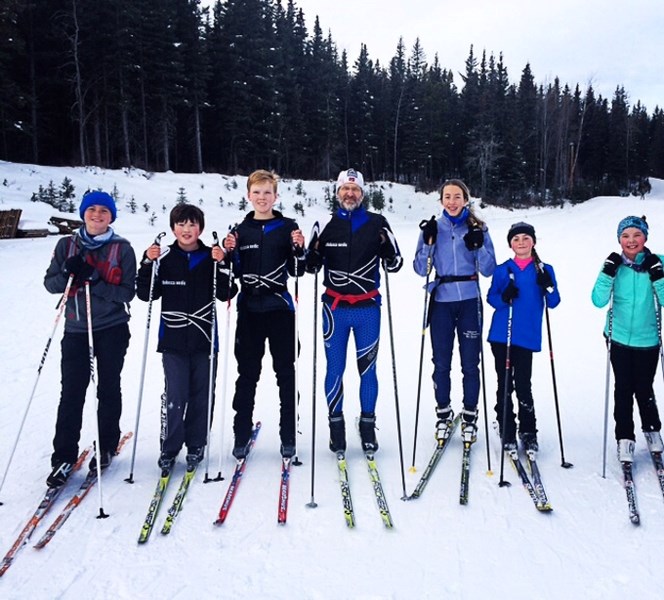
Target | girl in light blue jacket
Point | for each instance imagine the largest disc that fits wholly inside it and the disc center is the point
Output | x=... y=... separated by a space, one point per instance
x=632 y=283
x=459 y=248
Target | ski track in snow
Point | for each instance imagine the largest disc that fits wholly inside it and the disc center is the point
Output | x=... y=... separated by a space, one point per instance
x=497 y=543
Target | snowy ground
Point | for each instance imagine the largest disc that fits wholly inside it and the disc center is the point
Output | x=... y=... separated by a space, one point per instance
x=498 y=543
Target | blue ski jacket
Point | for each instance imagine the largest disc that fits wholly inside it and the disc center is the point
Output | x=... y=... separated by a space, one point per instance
x=528 y=307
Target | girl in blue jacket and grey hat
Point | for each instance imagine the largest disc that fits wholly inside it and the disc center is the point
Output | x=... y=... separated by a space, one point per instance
x=635 y=279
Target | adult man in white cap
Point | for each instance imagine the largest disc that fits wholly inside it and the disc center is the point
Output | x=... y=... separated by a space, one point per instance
x=350 y=249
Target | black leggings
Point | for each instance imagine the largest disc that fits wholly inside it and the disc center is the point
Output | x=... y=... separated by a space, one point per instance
x=634 y=371
x=521 y=366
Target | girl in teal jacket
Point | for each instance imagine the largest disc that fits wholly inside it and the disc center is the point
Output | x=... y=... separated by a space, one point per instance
x=632 y=283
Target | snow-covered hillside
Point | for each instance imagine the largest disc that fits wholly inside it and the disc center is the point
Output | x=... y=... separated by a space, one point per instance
x=497 y=545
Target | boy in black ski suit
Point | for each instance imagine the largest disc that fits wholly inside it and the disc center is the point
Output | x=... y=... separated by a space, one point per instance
x=97 y=257
x=184 y=283
x=266 y=247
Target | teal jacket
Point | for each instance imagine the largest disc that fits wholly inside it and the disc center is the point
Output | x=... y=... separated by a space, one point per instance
x=635 y=320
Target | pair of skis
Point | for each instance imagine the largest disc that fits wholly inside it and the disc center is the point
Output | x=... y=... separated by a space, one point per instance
x=535 y=488
x=437 y=454
x=240 y=467
x=45 y=504
x=379 y=493
x=157 y=499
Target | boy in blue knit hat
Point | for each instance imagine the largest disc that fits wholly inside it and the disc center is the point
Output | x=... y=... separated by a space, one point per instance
x=98 y=259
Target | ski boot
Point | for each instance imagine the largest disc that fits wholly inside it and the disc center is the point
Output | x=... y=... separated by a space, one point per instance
x=444 y=423
x=368 y=432
x=337 y=433
x=469 y=425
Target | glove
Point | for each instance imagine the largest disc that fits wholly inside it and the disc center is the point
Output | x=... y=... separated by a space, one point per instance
x=544 y=279
x=298 y=251
x=510 y=293
x=429 y=231
x=653 y=264
x=474 y=239
x=388 y=245
x=313 y=261
x=611 y=264
x=79 y=268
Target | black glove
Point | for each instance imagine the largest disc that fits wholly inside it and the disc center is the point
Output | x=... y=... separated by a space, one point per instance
x=429 y=231
x=611 y=264
x=510 y=293
x=79 y=268
x=544 y=279
x=653 y=264
x=298 y=251
x=474 y=239
x=388 y=245
x=313 y=261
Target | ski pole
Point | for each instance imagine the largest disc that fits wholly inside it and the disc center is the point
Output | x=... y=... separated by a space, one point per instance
x=212 y=365
x=312 y=503
x=607 y=382
x=224 y=388
x=506 y=391
x=296 y=349
x=153 y=277
x=61 y=308
x=658 y=316
x=563 y=463
x=480 y=324
x=394 y=377
x=425 y=312
x=93 y=385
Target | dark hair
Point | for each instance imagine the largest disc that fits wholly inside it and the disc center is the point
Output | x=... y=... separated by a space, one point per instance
x=473 y=219
x=187 y=212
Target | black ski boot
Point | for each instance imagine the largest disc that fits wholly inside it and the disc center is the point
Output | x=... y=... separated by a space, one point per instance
x=60 y=473
x=368 y=432
x=195 y=456
x=529 y=442
x=337 y=433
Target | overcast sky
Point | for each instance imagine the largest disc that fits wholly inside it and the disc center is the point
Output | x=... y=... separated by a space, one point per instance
x=606 y=42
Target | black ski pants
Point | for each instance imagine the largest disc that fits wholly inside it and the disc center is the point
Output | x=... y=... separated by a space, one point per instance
x=110 y=347
x=634 y=371
x=184 y=414
x=519 y=381
x=253 y=329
